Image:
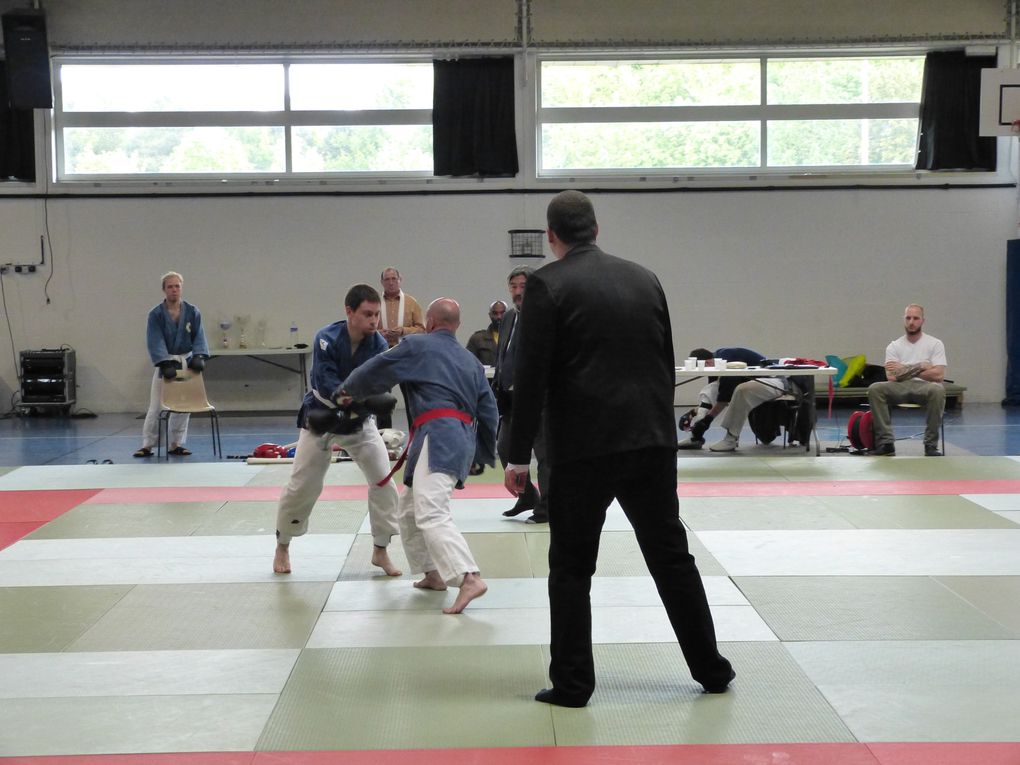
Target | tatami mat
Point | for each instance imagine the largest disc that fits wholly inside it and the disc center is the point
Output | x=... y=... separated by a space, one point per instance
x=866 y=608
x=860 y=600
x=422 y=697
x=645 y=695
x=899 y=552
x=919 y=690
x=208 y=616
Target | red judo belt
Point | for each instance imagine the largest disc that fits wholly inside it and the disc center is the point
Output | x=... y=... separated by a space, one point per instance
x=421 y=419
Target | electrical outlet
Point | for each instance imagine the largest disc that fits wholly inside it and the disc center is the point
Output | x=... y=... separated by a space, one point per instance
x=17 y=269
x=31 y=269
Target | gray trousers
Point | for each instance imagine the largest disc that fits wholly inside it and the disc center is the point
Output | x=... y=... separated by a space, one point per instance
x=746 y=397
x=883 y=395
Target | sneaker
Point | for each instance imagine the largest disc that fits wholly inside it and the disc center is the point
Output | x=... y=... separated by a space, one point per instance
x=884 y=450
x=728 y=444
x=932 y=451
x=691 y=443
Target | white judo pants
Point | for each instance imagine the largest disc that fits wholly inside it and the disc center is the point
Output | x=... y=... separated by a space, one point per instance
x=178 y=425
x=431 y=541
x=311 y=461
x=746 y=397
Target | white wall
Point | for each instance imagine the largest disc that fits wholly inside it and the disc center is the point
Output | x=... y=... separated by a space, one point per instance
x=786 y=272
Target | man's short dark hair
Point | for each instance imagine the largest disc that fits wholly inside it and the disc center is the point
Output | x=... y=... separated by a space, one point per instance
x=524 y=271
x=702 y=353
x=571 y=216
x=361 y=293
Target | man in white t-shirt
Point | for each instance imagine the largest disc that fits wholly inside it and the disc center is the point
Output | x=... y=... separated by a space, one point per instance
x=915 y=366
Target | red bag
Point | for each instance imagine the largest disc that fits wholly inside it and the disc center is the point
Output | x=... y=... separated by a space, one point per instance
x=860 y=432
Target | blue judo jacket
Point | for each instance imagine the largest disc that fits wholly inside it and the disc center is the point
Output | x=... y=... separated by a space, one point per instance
x=437 y=373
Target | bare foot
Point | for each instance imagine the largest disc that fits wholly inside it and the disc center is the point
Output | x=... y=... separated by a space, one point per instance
x=381 y=558
x=432 y=581
x=472 y=587
x=281 y=562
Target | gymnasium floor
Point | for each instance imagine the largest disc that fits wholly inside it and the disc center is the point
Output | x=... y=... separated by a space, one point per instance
x=869 y=606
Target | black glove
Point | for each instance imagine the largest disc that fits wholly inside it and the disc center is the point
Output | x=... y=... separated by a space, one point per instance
x=197 y=362
x=698 y=429
x=168 y=369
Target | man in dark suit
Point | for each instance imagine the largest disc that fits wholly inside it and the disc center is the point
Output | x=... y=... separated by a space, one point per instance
x=607 y=387
x=503 y=386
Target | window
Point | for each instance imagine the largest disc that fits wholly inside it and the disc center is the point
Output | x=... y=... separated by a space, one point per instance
x=220 y=119
x=763 y=113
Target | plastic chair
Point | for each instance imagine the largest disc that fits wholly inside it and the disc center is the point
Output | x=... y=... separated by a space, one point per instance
x=185 y=393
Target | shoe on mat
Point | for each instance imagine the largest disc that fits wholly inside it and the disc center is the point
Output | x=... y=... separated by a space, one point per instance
x=884 y=450
x=728 y=444
x=691 y=443
x=145 y=451
x=179 y=451
x=932 y=451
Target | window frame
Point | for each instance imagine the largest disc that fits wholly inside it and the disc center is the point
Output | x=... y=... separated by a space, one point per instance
x=285 y=118
x=763 y=113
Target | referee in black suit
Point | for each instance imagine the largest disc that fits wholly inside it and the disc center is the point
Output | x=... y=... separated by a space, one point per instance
x=607 y=384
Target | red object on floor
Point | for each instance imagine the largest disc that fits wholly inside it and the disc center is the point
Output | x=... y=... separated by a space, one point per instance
x=22 y=512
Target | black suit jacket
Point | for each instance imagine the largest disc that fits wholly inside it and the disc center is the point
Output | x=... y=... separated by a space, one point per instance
x=595 y=344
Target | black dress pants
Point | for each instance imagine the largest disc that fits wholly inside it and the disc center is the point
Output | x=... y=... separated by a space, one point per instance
x=644 y=482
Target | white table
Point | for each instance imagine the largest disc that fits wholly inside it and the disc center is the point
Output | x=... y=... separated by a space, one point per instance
x=265 y=355
x=684 y=376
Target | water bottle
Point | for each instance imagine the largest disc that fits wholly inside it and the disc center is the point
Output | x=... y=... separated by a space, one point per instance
x=293 y=333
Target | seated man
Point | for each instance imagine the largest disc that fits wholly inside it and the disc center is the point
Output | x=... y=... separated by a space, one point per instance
x=915 y=365
x=736 y=395
x=483 y=342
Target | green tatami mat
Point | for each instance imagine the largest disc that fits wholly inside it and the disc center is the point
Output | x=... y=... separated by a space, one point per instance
x=412 y=698
x=866 y=468
x=924 y=511
x=328 y=517
x=722 y=513
x=724 y=467
x=170 y=519
x=865 y=608
x=645 y=695
x=38 y=619
x=191 y=616
x=132 y=724
x=995 y=596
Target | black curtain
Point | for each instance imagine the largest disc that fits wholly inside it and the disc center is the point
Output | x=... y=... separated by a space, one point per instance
x=1012 y=323
x=473 y=130
x=17 y=137
x=950 y=104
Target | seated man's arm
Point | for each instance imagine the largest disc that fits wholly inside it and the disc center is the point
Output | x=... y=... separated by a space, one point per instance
x=933 y=373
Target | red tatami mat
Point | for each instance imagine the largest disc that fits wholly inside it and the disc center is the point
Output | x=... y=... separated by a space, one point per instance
x=694 y=754
x=22 y=512
x=496 y=491
x=42 y=505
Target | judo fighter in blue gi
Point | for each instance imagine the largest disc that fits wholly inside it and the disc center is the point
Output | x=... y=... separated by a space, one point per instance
x=454 y=421
x=175 y=338
x=338 y=350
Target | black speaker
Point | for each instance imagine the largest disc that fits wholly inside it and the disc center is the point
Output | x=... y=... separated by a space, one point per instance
x=48 y=377
x=28 y=59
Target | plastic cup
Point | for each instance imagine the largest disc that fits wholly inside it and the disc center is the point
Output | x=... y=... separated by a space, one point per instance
x=701 y=364
x=719 y=363
x=690 y=363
